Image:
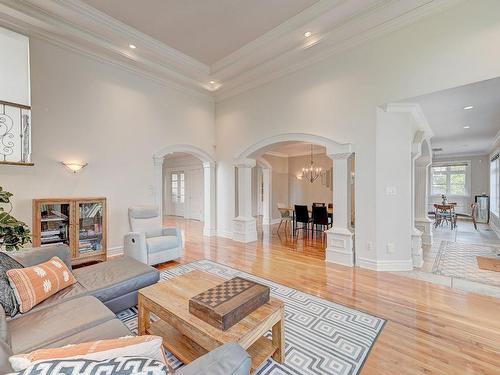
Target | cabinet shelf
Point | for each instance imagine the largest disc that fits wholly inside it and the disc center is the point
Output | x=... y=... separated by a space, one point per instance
x=81 y=223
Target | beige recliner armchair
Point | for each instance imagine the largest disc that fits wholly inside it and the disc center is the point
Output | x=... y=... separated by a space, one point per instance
x=148 y=241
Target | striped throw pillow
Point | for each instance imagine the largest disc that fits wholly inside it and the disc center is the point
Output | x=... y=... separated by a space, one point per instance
x=141 y=346
x=35 y=284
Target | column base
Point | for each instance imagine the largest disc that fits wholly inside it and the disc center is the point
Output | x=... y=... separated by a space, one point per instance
x=425 y=226
x=339 y=248
x=209 y=232
x=244 y=229
x=417 y=255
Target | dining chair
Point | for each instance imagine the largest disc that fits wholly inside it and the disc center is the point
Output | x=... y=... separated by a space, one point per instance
x=285 y=216
x=319 y=218
x=318 y=204
x=301 y=216
x=445 y=213
x=330 y=205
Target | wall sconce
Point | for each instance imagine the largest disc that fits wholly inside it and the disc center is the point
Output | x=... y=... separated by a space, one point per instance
x=74 y=167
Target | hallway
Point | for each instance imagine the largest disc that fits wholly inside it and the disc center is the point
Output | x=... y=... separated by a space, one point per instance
x=463 y=234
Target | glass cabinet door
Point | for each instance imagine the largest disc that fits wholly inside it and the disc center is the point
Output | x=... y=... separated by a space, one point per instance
x=90 y=228
x=55 y=223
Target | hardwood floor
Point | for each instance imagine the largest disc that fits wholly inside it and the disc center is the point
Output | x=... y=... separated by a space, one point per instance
x=431 y=329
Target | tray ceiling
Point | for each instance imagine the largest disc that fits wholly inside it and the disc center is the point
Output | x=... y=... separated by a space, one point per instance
x=206 y=30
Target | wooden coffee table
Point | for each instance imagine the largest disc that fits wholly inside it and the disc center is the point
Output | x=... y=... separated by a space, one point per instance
x=188 y=337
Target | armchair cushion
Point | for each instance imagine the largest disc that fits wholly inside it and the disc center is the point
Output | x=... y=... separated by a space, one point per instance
x=161 y=243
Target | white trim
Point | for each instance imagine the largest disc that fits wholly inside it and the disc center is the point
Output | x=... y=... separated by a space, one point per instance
x=345 y=25
x=114 y=251
x=185 y=148
x=275 y=221
x=494 y=227
x=385 y=265
x=224 y=233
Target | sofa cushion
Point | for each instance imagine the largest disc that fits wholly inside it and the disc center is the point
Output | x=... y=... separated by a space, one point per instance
x=5 y=350
x=7 y=296
x=116 y=277
x=35 y=284
x=36 y=255
x=161 y=243
x=110 y=329
x=45 y=326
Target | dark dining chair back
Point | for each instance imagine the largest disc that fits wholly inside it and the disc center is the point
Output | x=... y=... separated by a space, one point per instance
x=320 y=215
x=301 y=214
x=330 y=205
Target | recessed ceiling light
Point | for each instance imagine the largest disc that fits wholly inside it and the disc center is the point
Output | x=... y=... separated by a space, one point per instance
x=307 y=34
x=469 y=107
x=132 y=46
x=466 y=127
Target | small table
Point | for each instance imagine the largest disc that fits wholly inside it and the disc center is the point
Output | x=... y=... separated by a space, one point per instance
x=189 y=337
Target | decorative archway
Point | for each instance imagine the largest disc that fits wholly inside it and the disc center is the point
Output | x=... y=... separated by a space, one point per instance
x=339 y=246
x=209 y=219
x=266 y=193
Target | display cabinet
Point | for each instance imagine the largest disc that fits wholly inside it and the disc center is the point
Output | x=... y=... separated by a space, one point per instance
x=79 y=223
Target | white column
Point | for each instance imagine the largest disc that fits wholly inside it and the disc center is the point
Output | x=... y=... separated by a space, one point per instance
x=416 y=235
x=422 y=221
x=157 y=188
x=209 y=209
x=266 y=199
x=340 y=247
x=245 y=225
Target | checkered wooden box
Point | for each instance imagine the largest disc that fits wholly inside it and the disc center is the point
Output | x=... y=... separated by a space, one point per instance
x=226 y=304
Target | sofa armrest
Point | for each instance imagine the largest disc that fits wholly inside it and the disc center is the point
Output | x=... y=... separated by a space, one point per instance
x=229 y=359
x=134 y=246
x=173 y=231
x=36 y=255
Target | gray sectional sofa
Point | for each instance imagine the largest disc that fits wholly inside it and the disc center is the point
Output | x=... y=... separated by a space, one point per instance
x=86 y=311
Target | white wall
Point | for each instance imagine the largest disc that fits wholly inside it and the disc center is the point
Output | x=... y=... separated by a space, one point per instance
x=479 y=181
x=14 y=68
x=302 y=191
x=86 y=110
x=279 y=183
x=338 y=97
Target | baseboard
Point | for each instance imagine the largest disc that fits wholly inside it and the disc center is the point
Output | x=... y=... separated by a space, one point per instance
x=224 y=233
x=494 y=228
x=275 y=221
x=115 y=251
x=385 y=265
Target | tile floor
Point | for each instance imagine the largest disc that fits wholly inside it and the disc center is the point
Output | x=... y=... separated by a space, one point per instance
x=464 y=233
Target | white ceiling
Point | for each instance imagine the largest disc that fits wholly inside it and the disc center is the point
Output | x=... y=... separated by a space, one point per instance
x=446 y=116
x=206 y=30
x=288 y=149
x=236 y=44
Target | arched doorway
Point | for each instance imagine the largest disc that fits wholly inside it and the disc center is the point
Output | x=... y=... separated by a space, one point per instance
x=339 y=245
x=208 y=163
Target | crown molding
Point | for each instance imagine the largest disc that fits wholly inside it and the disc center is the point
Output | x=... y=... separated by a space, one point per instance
x=376 y=19
x=337 y=25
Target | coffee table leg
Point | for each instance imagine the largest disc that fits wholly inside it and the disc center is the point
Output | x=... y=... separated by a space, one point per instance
x=279 y=340
x=143 y=319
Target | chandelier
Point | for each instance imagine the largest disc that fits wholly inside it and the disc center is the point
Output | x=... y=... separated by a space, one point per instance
x=310 y=172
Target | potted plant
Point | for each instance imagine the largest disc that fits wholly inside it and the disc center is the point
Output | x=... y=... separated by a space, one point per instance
x=14 y=234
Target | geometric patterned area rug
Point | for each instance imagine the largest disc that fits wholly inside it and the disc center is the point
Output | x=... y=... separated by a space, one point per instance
x=321 y=337
x=458 y=260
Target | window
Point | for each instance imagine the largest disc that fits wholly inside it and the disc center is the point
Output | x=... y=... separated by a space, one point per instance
x=495 y=185
x=177 y=181
x=450 y=179
x=15 y=110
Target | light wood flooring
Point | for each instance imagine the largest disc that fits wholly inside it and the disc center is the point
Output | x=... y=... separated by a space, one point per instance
x=431 y=329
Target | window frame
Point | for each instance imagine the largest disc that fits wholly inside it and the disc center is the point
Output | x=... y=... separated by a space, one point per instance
x=180 y=186
x=467 y=185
